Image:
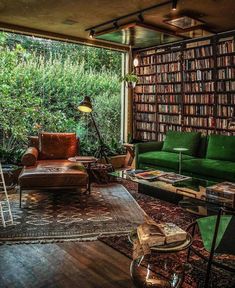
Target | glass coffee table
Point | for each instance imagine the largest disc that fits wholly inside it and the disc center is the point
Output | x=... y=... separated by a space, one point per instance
x=189 y=194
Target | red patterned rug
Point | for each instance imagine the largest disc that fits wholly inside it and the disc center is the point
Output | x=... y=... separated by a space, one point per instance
x=163 y=211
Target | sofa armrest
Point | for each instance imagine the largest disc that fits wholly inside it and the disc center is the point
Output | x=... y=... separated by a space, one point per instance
x=146 y=147
x=30 y=157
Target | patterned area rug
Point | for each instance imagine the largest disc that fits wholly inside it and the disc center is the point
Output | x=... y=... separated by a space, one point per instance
x=163 y=211
x=67 y=215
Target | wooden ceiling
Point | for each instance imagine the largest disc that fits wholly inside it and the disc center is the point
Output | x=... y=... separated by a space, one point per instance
x=68 y=19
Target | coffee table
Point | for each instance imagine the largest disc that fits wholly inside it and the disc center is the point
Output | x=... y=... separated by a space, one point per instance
x=190 y=194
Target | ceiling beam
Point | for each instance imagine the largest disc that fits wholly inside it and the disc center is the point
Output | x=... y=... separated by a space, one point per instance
x=60 y=37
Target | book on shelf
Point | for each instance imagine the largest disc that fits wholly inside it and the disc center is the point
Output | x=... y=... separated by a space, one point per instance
x=173 y=178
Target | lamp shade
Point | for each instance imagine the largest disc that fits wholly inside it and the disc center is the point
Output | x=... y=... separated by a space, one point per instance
x=85 y=105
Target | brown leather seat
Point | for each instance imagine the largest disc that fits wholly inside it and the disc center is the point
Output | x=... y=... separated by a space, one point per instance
x=46 y=164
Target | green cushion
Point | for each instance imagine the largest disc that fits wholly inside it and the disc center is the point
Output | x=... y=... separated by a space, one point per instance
x=207 y=229
x=221 y=148
x=162 y=159
x=189 y=140
x=215 y=168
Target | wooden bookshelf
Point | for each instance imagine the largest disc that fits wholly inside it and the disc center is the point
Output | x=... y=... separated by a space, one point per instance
x=189 y=86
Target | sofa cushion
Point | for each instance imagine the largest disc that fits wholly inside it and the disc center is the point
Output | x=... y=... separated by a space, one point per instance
x=57 y=145
x=209 y=167
x=162 y=159
x=189 y=140
x=221 y=147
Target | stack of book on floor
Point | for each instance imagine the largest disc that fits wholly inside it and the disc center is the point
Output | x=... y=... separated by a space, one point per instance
x=151 y=234
x=222 y=193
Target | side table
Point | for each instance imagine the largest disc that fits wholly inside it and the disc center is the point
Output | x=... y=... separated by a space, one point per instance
x=180 y=150
x=87 y=161
x=159 y=269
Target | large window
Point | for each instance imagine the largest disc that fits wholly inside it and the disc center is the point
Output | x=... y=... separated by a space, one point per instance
x=42 y=83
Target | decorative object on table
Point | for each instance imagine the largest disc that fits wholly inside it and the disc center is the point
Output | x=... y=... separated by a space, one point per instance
x=130 y=79
x=180 y=150
x=86 y=106
x=150 y=175
x=221 y=193
x=59 y=216
x=217 y=234
x=87 y=161
x=5 y=208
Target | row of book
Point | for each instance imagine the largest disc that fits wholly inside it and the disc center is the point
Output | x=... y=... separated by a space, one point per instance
x=147 y=53
x=145 y=108
x=147 y=60
x=225 y=111
x=198 y=110
x=226 y=86
x=169 y=109
x=169 y=57
x=202 y=131
x=226 y=47
x=163 y=128
x=169 y=99
x=199 y=64
x=222 y=123
x=226 y=73
x=199 y=87
x=149 y=117
x=168 y=88
x=199 y=75
x=149 y=79
x=150 y=126
x=206 y=51
x=196 y=121
x=226 y=61
x=168 y=77
x=145 y=88
x=144 y=98
x=226 y=99
x=170 y=67
x=145 y=135
x=173 y=119
x=199 y=99
x=145 y=70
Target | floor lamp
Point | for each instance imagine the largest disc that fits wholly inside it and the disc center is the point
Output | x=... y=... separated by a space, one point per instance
x=86 y=106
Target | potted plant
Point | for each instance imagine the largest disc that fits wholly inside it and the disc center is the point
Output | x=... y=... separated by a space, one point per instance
x=131 y=79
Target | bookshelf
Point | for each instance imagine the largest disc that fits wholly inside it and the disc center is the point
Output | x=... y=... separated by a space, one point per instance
x=188 y=86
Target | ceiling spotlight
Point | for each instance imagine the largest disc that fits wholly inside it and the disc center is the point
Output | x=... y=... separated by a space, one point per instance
x=115 y=24
x=174 y=5
x=141 y=18
x=92 y=33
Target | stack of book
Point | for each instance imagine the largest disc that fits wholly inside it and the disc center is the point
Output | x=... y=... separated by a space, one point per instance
x=222 y=193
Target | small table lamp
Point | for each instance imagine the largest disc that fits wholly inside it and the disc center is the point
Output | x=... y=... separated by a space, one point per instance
x=86 y=107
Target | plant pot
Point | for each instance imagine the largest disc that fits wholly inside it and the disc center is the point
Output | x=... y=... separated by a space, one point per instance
x=118 y=161
x=11 y=173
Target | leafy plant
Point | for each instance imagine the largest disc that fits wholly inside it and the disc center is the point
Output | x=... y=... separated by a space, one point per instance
x=130 y=78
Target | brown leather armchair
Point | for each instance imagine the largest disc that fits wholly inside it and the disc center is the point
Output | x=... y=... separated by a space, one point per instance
x=46 y=163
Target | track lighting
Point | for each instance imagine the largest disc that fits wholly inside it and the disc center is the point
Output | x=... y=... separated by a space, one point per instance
x=141 y=18
x=92 y=33
x=174 y=5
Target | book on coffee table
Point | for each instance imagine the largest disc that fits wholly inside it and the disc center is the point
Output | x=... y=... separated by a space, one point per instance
x=173 y=178
x=223 y=192
x=150 y=175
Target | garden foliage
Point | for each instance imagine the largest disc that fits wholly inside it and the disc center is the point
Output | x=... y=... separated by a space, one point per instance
x=41 y=84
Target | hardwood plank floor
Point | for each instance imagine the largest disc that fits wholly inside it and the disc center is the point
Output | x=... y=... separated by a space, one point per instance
x=63 y=265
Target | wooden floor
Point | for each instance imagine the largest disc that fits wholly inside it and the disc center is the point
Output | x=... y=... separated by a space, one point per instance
x=71 y=264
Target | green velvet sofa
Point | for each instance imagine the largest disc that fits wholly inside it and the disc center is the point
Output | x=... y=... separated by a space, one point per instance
x=211 y=157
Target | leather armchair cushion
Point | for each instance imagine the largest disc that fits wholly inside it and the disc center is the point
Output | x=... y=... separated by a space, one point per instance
x=34 y=141
x=57 y=145
x=30 y=157
x=53 y=173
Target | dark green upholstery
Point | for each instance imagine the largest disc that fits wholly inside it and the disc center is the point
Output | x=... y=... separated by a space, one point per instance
x=207 y=228
x=221 y=148
x=175 y=139
x=153 y=155
x=162 y=159
x=215 y=168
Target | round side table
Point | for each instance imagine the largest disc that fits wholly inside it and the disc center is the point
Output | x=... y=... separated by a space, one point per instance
x=159 y=269
x=180 y=150
x=87 y=161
